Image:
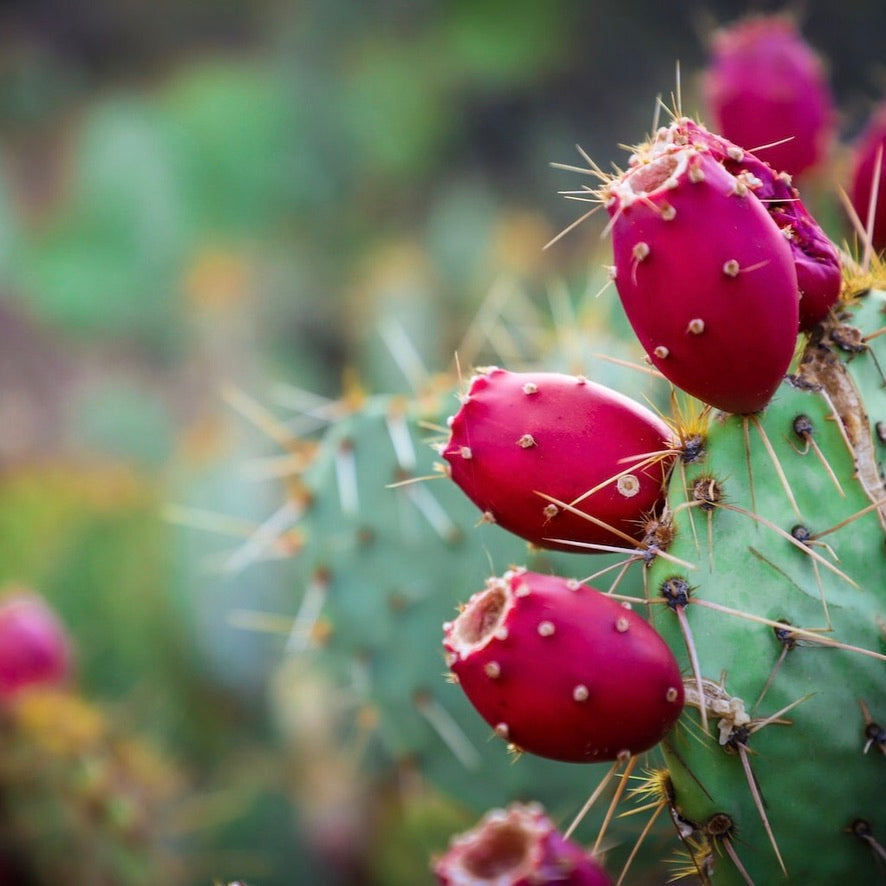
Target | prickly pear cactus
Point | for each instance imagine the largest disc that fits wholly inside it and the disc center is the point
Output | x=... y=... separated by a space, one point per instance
x=765 y=570
x=754 y=556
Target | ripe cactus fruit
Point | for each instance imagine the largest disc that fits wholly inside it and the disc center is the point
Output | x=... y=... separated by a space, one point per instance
x=34 y=646
x=765 y=84
x=706 y=277
x=816 y=259
x=517 y=846
x=557 y=459
x=869 y=151
x=560 y=670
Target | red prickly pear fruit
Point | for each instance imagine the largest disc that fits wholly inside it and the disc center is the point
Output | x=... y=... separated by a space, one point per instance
x=34 y=645
x=764 y=84
x=519 y=434
x=562 y=670
x=816 y=259
x=706 y=278
x=871 y=144
x=517 y=846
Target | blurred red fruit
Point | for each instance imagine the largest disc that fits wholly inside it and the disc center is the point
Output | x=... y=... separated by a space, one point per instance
x=34 y=645
x=763 y=84
x=517 y=846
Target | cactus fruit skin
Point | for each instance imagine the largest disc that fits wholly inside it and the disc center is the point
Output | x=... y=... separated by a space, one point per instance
x=816 y=260
x=519 y=434
x=517 y=846
x=34 y=645
x=705 y=276
x=764 y=83
x=563 y=671
x=863 y=169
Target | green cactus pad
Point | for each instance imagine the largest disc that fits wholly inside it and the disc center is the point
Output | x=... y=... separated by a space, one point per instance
x=780 y=545
x=387 y=567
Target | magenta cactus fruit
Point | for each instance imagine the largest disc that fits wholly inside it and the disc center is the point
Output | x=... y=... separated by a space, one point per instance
x=816 y=259
x=517 y=846
x=522 y=439
x=560 y=670
x=763 y=84
x=34 y=645
x=706 y=277
x=870 y=146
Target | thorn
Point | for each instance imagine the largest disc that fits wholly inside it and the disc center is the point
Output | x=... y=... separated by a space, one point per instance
x=872 y=213
x=628 y=364
x=589 y=517
x=745 y=426
x=266 y=536
x=862 y=829
x=262 y=622
x=346 y=478
x=872 y=507
x=778 y=662
x=806 y=633
x=259 y=417
x=433 y=512
x=689 y=640
x=401 y=440
x=758 y=802
x=777 y=465
x=790 y=538
x=595 y=795
x=631 y=761
x=404 y=353
x=448 y=729
x=308 y=614
x=733 y=855
x=662 y=805
x=572 y=226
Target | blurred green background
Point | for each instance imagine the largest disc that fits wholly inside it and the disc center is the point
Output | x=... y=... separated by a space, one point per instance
x=201 y=201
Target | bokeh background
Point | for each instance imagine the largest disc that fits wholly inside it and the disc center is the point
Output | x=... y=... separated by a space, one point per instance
x=206 y=207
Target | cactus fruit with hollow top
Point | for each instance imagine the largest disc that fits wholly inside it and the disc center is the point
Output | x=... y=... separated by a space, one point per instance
x=706 y=277
x=517 y=846
x=560 y=670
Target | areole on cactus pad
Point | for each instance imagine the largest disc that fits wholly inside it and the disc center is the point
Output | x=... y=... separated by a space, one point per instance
x=558 y=459
x=560 y=670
